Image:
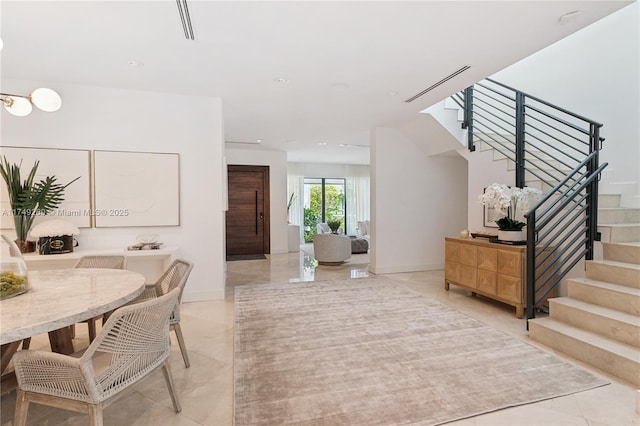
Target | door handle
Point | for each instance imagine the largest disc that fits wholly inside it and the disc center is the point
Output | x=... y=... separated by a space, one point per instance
x=261 y=216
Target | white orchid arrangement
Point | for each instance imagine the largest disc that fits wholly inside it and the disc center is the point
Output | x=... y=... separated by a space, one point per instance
x=509 y=200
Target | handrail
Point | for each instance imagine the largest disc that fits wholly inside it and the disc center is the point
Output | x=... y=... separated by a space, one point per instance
x=549 y=104
x=551 y=193
x=542 y=140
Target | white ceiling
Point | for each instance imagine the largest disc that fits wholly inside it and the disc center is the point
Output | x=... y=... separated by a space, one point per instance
x=342 y=60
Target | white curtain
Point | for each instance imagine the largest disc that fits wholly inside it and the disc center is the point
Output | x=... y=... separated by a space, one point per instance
x=358 y=195
x=295 y=186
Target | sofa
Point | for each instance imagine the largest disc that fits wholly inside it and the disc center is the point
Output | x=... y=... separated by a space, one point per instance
x=363 y=230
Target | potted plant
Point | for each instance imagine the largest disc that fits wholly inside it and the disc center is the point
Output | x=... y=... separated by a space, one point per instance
x=334 y=224
x=30 y=198
x=508 y=201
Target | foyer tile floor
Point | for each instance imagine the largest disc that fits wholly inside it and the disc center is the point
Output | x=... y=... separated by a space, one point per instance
x=206 y=389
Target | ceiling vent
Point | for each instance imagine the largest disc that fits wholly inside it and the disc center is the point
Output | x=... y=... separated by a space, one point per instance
x=183 y=9
x=433 y=86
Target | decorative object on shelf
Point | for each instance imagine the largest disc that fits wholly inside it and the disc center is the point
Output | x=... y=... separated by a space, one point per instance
x=145 y=246
x=21 y=105
x=29 y=198
x=464 y=233
x=483 y=235
x=146 y=242
x=509 y=202
x=55 y=236
x=334 y=224
x=14 y=279
x=147 y=238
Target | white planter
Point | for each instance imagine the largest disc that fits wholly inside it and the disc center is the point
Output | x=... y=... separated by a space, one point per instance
x=512 y=235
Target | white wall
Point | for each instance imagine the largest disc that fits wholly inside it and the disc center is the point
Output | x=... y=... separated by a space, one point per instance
x=416 y=201
x=595 y=73
x=319 y=170
x=96 y=118
x=483 y=171
x=249 y=155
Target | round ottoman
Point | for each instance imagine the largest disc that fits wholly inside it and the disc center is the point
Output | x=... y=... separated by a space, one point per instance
x=359 y=245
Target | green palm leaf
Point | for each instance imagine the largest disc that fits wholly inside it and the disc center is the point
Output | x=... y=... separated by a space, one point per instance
x=29 y=199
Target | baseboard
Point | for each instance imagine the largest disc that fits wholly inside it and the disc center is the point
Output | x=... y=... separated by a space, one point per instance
x=378 y=270
x=279 y=251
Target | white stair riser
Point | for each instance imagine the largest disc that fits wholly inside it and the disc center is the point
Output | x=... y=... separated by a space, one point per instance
x=621 y=253
x=608 y=298
x=625 y=234
x=594 y=321
x=628 y=276
x=619 y=366
x=608 y=200
x=619 y=215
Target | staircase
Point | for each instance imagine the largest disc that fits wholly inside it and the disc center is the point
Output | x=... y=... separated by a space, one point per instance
x=598 y=322
x=557 y=151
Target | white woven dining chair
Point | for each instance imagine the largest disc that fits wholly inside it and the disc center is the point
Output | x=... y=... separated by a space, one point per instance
x=110 y=262
x=175 y=276
x=133 y=342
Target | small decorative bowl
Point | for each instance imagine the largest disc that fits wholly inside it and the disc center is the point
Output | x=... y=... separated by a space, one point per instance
x=147 y=238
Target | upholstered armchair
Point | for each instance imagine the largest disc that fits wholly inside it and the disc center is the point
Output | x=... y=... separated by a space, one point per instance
x=331 y=249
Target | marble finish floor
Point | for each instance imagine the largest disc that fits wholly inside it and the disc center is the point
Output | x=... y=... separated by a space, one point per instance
x=206 y=389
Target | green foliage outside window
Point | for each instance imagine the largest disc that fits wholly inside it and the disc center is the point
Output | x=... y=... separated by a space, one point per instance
x=334 y=208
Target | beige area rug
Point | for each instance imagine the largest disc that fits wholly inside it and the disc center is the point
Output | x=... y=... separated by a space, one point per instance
x=372 y=352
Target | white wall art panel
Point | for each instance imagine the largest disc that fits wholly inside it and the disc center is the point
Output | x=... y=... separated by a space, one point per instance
x=65 y=165
x=136 y=189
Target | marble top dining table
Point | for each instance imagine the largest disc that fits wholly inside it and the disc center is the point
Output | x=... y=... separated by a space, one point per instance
x=62 y=297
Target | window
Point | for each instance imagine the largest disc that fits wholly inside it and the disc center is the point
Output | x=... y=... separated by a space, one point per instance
x=324 y=200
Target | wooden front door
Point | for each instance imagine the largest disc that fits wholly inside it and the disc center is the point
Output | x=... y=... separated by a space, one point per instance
x=248 y=215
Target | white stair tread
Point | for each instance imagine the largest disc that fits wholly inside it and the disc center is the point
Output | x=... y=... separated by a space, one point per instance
x=615 y=209
x=593 y=339
x=598 y=310
x=615 y=263
x=620 y=225
x=620 y=288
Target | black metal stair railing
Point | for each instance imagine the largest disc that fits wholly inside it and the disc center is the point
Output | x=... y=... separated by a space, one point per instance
x=559 y=150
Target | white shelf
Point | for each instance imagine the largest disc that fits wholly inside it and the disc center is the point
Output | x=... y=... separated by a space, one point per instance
x=77 y=254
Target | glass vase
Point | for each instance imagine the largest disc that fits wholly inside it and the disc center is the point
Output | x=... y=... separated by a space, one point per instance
x=14 y=279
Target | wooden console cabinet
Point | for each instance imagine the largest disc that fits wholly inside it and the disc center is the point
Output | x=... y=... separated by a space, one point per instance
x=493 y=270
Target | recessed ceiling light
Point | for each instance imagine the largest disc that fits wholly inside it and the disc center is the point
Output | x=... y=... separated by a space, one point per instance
x=322 y=143
x=281 y=80
x=134 y=63
x=392 y=93
x=259 y=140
x=569 y=16
x=339 y=86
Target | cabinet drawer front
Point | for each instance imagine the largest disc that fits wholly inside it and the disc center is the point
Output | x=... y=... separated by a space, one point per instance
x=510 y=288
x=468 y=255
x=452 y=251
x=487 y=281
x=452 y=271
x=510 y=263
x=488 y=259
x=468 y=276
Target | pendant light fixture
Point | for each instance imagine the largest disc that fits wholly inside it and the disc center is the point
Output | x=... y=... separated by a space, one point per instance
x=21 y=105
